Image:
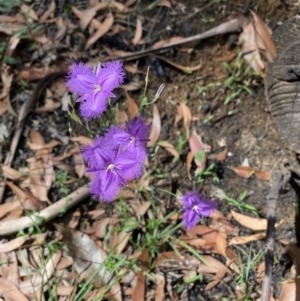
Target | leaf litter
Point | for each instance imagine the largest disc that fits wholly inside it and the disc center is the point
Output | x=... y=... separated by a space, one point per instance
x=32 y=189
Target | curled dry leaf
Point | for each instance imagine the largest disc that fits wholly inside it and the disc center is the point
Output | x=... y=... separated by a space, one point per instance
x=79 y=162
x=155 y=128
x=288 y=292
x=138 y=293
x=48 y=12
x=262 y=174
x=12 y=245
x=239 y=240
x=88 y=257
x=160 y=287
x=132 y=108
x=169 y=147
x=118 y=241
x=32 y=286
x=186 y=69
x=243 y=171
x=198 y=150
x=252 y=223
x=10 y=291
x=250 y=48
x=138 y=32
x=82 y=140
x=263 y=38
x=184 y=111
x=221 y=156
x=8 y=207
x=10 y=173
x=49 y=106
x=102 y=29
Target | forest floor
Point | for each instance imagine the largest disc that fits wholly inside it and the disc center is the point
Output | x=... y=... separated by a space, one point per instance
x=58 y=243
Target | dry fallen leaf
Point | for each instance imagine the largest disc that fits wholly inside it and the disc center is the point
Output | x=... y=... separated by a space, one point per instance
x=138 y=32
x=169 y=147
x=102 y=29
x=288 y=292
x=10 y=291
x=186 y=69
x=243 y=171
x=185 y=112
x=252 y=223
x=239 y=240
x=198 y=150
x=155 y=128
x=263 y=38
x=87 y=256
x=132 y=108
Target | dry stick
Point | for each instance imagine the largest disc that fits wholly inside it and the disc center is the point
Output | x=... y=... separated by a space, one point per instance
x=24 y=112
x=234 y=25
x=13 y=226
x=280 y=181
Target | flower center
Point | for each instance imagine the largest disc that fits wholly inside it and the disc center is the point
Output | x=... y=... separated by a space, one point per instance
x=111 y=168
x=98 y=88
x=196 y=209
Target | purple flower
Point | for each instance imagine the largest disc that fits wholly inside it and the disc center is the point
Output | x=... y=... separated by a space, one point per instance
x=194 y=207
x=133 y=138
x=94 y=86
x=110 y=169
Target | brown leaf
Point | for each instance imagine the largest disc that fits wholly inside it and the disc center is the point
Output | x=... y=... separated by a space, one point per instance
x=82 y=140
x=167 y=41
x=118 y=241
x=79 y=163
x=187 y=69
x=48 y=12
x=220 y=156
x=87 y=256
x=10 y=291
x=8 y=207
x=138 y=293
x=121 y=118
x=211 y=266
x=262 y=174
x=155 y=128
x=243 y=171
x=197 y=146
x=29 y=12
x=132 y=86
x=12 y=245
x=160 y=287
x=250 y=48
x=185 y=112
x=288 y=292
x=252 y=223
x=169 y=147
x=189 y=160
x=221 y=243
x=238 y=240
x=263 y=37
x=166 y=256
x=120 y=6
x=11 y=173
x=21 y=194
x=132 y=108
x=102 y=29
x=219 y=276
x=138 y=32
x=50 y=144
x=38 y=186
x=49 y=106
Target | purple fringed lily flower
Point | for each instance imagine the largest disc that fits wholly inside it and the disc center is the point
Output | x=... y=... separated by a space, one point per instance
x=194 y=207
x=116 y=158
x=94 y=86
x=110 y=171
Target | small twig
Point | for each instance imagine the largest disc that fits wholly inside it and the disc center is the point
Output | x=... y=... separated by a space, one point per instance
x=281 y=179
x=13 y=226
